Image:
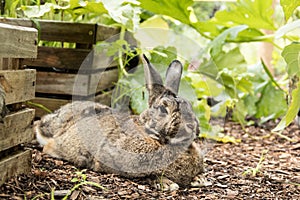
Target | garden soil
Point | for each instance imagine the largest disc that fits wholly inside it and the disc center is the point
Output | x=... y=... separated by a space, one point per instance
x=263 y=165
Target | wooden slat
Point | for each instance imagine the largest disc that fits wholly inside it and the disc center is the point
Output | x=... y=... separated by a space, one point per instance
x=63 y=58
x=19 y=163
x=106 y=32
x=9 y=63
x=17 y=41
x=86 y=84
x=58 y=31
x=16 y=129
x=69 y=59
x=54 y=104
x=67 y=31
x=20 y=85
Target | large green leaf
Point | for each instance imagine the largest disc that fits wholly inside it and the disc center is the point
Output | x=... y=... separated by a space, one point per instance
x=291 y=55
x=254 y=13
x=289 y=6
x=272 y=103
x=229 y=69
x=125 y=12
x=231 y=33
x=178 y=9
x=39 y=11
x=292 y=110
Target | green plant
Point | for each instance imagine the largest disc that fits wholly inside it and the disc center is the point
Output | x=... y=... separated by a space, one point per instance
x=257 y=169
x=80 y=181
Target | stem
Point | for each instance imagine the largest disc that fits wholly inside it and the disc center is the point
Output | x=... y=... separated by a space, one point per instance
x=120 y=55
x=270 y=75
x=83 y=183
x=37 y=105
x=283 y=136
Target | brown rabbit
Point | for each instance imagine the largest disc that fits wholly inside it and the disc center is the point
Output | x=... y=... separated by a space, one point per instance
x=158 y=142
x=3 y=90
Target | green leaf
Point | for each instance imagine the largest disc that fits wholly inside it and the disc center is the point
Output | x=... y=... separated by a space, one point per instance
x=291 y=55
x=87 y=7
x=292 y=110
x=74 y=180
x=228 y=69
x=288 y=7
x=272 y=102
x=178 y=9
x=38 y=11
x=256 y=14
x=217 y=135
x=231 y=33
x=287 y=28
x=125 y=12
x=204 y=87
x=163 y=56
x=202 y=111
x=240 y=112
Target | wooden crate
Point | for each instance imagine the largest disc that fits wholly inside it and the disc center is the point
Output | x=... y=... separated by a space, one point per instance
x=20 y=42
x=65 y=73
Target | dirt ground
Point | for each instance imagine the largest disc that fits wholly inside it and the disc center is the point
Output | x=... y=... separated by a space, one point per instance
x=262 y=166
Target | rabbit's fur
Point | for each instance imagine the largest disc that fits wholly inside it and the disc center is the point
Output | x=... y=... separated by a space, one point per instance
x=158 y=142
x=3 y=108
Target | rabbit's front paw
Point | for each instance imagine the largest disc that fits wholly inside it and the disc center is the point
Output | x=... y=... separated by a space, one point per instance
x=165 y=184
x=200 y=181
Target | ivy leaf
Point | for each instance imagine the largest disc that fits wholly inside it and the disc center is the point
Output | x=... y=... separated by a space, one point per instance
x=288 y=7
x=272 y=102
x=254 y=13
x=292 y=110
x=178 y=9
x=291 y=55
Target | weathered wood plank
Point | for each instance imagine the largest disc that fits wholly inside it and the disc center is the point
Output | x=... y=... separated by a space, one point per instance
x=61 y=58
x=54 y=104
x=19 y=163
x=17 y=41
x=21 y=85
x=69 y=59
x=58 y=31
x=106 y=32
x=9 y=63
x=75 y=84
x=66 y=31
x=16 y=129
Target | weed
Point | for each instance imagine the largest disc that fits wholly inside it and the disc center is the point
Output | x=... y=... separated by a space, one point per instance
x=257 y=169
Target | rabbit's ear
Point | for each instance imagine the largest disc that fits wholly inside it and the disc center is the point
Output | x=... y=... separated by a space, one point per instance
x=173 y=76
x=153 y=80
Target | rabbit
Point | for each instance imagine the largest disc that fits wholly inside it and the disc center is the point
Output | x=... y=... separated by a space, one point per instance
x=160 y=141
x=3 y=109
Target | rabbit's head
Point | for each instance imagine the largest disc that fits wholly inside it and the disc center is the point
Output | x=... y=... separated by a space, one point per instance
x=169 y=118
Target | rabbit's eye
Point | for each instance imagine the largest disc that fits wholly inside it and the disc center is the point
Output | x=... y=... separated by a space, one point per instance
x=163 y=109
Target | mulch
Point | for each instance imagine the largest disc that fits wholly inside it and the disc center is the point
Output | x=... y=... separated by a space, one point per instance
x=263 y=165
